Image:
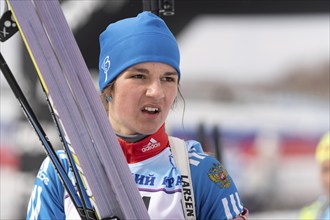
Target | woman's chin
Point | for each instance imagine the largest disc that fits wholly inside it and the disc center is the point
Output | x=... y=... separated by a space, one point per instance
x=148 y=130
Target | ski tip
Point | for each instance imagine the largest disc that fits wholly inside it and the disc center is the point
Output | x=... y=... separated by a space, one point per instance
x=8 y=26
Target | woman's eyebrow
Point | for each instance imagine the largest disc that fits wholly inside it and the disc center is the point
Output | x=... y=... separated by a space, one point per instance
x=141 y=70
x=170 y=73
x=146 y=71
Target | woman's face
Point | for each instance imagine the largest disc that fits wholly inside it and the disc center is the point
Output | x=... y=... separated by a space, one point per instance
x=142 y=97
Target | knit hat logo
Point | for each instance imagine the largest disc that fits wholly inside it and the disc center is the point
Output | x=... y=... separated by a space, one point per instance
x=106 y=67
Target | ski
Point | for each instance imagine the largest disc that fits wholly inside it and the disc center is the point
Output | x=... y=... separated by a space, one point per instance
x=83 y=205
x=67 y=82
x=32 y=118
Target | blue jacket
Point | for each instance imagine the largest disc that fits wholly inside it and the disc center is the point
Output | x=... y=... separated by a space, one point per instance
x=216 y=196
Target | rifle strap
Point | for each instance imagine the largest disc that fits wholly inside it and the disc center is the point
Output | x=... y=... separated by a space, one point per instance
x=181 y=158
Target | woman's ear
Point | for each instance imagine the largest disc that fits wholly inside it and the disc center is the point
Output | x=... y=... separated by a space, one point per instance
x=107 y=92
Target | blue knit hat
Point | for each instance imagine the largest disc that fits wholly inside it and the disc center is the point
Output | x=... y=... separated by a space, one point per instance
x=130 y=41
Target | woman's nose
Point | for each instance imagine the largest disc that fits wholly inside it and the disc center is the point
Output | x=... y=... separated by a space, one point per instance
x=155 y=90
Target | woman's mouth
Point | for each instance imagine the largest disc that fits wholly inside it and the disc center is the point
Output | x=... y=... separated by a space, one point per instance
x=151 y=110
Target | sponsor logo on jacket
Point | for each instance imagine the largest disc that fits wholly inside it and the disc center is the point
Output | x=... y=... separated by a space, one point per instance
x=187 y=195
x=151 y=145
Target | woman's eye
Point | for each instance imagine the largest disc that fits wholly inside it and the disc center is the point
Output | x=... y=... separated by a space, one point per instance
x=138 y=76
x=168 y=79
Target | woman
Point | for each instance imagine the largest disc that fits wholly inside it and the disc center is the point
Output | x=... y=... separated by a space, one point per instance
x=320 y=209
x=139 y=81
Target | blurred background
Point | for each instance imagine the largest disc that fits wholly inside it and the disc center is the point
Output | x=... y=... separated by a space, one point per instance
x=255 y=79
